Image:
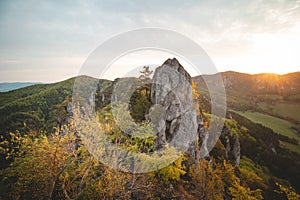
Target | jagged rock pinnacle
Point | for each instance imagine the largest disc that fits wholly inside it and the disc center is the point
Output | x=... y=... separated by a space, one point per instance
x=171 y=93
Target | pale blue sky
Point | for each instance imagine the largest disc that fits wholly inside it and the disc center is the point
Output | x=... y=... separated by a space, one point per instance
x=48 y=41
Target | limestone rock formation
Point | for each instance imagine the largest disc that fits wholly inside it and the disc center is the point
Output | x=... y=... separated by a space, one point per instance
x=202 y=138
x=177 y=117
x=172 y=112
x=232 y=146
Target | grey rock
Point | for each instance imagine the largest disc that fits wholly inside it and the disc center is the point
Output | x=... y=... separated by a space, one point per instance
x=172 y=112
x=232 y=146
x=177 y=117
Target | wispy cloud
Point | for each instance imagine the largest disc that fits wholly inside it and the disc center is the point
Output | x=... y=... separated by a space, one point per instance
x=44 y=32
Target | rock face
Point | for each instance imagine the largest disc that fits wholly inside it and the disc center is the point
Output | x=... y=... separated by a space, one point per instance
x=177 y=117
x=172 y=112
x=232 y=146
x=202 y=138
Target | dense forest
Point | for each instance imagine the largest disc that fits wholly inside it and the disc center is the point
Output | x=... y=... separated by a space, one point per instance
x=42 y=156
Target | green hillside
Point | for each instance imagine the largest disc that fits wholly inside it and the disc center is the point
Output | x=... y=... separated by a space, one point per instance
x=35 y=110
x=36 y=107
x=280 y=126
x=273 y=94
x=32 y=106
x=6 y=97
x=269 y=99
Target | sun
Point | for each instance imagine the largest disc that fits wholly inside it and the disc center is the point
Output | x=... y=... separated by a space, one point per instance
x=277 y=53
x=273 y=52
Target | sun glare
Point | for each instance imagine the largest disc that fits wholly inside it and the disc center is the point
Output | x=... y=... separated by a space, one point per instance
x=277 y=53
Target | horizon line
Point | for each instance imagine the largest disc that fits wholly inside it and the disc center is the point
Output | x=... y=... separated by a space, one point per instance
x=227 y=71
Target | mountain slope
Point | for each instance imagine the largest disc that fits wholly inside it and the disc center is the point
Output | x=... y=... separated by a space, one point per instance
x=35 y=107
x=267 y=92
x=40 y=107
x=266 y=84
x=275 y=96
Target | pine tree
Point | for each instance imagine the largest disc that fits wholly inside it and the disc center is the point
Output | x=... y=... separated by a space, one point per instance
x=145 y=73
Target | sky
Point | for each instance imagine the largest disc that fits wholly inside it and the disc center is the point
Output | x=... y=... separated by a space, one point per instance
x=48 y=41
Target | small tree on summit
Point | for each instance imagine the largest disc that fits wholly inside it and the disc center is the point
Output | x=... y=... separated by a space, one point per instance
x=146 y=80
x=145 y=73
x=140 y=100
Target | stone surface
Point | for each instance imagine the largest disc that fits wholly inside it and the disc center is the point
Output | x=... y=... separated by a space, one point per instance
x=232 y=146
x=177 y=117
x=172 y=112
x=202 y=137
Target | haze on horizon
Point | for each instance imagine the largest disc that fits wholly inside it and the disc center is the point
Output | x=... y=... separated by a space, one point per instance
x=48 y=41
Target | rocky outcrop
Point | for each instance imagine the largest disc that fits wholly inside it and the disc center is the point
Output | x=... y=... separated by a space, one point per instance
x=232 y=146
x=172 y=112
x=202 y=138
x=177 y=117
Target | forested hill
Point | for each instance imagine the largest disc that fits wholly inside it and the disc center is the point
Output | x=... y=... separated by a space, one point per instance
x=265 y=83
x=266 y=165
x=269 y=99
x=37 y=104
x=35 y=107
x=269 y=93
x=32 y=106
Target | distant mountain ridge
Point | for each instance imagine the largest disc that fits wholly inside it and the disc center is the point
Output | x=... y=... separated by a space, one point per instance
x=278 y=95
x=9 y=86
x=264 y=83
x=268 y=99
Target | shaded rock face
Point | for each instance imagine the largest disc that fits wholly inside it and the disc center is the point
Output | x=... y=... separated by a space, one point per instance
x=172 y=111
x=202 y=138
x=232 y=146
